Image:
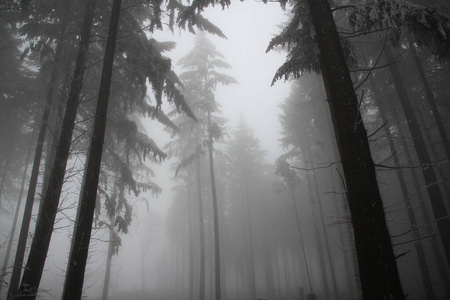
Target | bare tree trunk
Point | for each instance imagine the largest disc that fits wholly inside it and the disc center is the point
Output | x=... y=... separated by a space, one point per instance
x=216 y=211
x=44 y=227
x=302 y=244
x=436 y=199
x=109 y=256
x=73 y=285
x=201 y=295
x=409 y=209
x=16 y=216
x=377 y=265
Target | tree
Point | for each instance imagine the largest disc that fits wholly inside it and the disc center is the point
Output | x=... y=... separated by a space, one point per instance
x=203 y=63
x=378 y=269
x=38 y=252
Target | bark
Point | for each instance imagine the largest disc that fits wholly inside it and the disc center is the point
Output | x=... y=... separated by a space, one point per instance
x=378 y=269
x=201 y=295
x=436 y=199
x=216 y=212
x=44 y=226
x=78 y=257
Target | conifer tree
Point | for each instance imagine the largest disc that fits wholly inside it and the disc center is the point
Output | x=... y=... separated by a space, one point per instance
x=203 y=64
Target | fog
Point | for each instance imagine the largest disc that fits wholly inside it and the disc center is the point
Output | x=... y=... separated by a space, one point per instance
x=260 y=164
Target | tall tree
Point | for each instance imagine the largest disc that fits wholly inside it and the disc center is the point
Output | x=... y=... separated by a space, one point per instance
x=203 y=63
x=378 y=269
x=44 y=227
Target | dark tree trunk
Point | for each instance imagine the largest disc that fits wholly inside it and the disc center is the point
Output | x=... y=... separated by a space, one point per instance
x=409 y=206
x=201 y=295
x=423 y=208
x=377 y=265
x=77 y=259
x=44 y=227
x=216 y=211
x=432 y=102
x=436 y=199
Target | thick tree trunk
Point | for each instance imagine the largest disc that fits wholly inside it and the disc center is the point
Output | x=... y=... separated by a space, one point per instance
x=436 y=199
x=216 y=211
x=78 y=257
x=201 y=295
x=377 y=265
x=44 y=227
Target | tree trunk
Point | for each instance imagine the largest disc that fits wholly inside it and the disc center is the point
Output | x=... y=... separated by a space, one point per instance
x=436 y=199
x=423 y=208
x=16 y=216
x=432 y=102
x=324 y=230
x=109 y=256
x=302 y=244
x=409 y=209
x=77 y=259
x=44 y=227
x=377 y=265
x=251 y=260
x=216 y=211
x=201 y=295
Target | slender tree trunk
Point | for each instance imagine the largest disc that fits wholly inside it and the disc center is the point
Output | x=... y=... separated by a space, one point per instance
x=44 y=226
x=78 y=257
x=302 y=244
x=409 y=209
x=322 y=224
x=201 y=295
x=109 y=256
x=16 y=216
x=216 y=211
x=423 y=208
x=320 y=254
x=6 y=167
x=432 y=102
x=436 y=199
x=251 y=260
x=377 y=265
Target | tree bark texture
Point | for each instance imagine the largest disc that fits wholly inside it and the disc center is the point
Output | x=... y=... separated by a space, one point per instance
x=78 y=257
x=377 y=266
x=44 y=226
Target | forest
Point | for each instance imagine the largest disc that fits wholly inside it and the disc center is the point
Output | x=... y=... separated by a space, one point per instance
x=225 y=150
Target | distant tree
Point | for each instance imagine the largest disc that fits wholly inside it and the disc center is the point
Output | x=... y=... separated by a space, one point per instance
x=246 y=163
x=203 y=64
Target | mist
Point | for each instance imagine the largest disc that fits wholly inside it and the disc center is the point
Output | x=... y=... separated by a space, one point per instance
x=235 y=165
